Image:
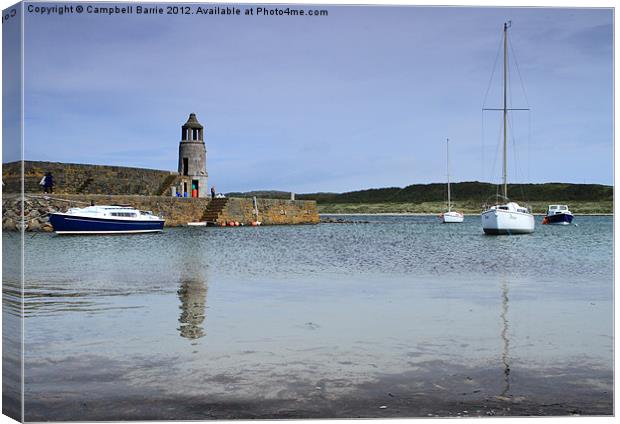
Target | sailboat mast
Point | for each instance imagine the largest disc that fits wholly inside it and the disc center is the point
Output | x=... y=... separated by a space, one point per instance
x=448 y=169
x=505 y=106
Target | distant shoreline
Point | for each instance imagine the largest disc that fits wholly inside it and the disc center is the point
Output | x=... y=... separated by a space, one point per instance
x=468 y=208
x=436 y=214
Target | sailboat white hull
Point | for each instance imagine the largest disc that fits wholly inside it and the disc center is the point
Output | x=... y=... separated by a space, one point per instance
x=498 y=222
x=451 y=217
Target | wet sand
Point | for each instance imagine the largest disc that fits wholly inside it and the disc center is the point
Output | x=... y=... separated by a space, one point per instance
x=436 y=389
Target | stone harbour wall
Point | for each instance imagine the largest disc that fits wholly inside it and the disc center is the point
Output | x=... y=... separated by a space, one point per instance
x=177 y=211
x=270 y=211
x=73 y=178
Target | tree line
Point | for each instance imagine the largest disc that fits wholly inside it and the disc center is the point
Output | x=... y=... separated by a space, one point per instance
x=474 y=191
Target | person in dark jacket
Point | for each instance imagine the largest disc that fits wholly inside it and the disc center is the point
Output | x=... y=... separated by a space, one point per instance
x=48 y=184
x=213 y=192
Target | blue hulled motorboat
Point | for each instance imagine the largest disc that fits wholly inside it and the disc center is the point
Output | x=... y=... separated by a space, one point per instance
x=112 y=219
x=558 y=215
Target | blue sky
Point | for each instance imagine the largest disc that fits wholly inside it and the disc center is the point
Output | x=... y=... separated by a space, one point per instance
x=362 y=98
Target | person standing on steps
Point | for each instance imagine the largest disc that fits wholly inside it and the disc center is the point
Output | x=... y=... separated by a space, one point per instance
x=212 y=192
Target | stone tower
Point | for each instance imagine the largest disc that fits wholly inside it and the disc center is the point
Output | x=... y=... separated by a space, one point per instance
x=193 y=159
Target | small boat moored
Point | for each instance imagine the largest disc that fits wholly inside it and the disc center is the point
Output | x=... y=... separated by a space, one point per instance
x=106 y=219
x=450 y=216
x=558 y=215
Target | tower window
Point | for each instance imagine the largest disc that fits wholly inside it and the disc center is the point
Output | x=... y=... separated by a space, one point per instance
x=185 y=166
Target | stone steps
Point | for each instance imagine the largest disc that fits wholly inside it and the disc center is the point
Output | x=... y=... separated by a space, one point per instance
x=214 y=210
x=164 y=188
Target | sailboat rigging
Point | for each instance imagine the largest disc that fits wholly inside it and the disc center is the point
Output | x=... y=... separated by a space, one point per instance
x=508 y=217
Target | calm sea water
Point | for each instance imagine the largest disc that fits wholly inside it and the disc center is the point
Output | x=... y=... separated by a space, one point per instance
x=269 y=312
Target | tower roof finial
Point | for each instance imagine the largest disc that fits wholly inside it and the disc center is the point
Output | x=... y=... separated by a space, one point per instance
x=192 y=122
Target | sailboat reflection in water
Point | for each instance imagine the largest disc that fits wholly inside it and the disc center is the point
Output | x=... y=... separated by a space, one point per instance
x=506 y=341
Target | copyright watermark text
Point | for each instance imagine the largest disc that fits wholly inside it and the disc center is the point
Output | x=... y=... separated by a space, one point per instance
x=177 y=9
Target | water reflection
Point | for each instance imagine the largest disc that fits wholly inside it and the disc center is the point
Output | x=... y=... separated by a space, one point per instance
x=12 y=324
x=192 y=293
x=505 y=339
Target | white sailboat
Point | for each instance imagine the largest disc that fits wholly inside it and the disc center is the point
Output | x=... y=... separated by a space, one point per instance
x=450 y=216
x=508 y=217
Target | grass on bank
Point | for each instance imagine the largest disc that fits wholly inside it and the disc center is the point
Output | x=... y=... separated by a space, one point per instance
x=602 y=207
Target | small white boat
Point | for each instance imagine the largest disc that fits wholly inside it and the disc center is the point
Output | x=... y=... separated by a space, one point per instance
x=197 y=224
x=106 y=219
x=450 y=217
x=509 y=217
x=558 y=215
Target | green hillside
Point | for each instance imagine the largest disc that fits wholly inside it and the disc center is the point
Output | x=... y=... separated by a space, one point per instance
x=475 y=192
x=468 y=197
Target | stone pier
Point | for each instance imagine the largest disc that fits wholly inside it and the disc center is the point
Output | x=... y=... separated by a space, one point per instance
x=177 y=211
